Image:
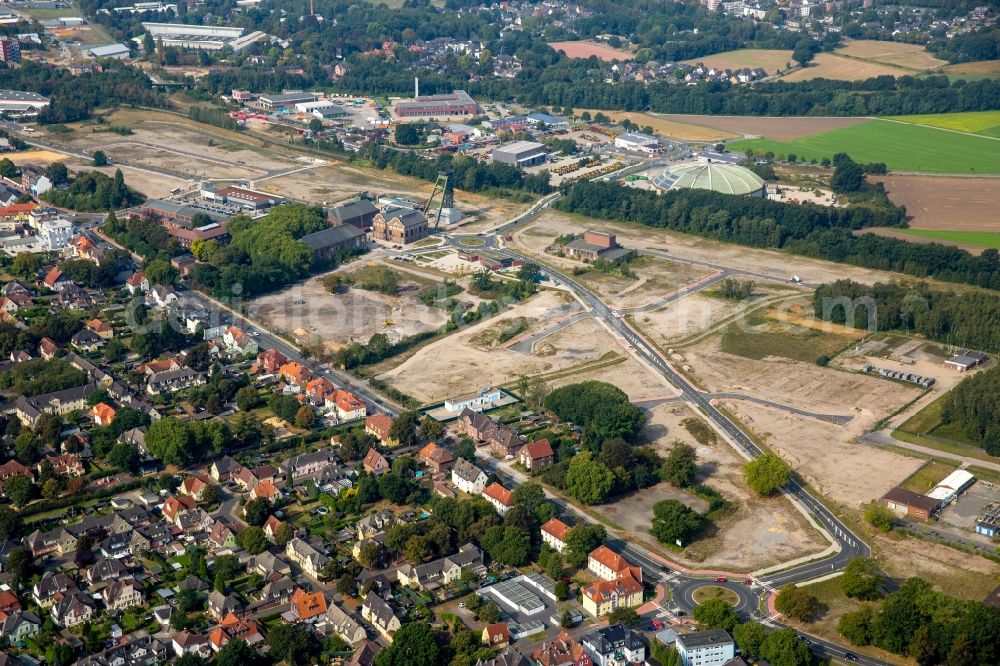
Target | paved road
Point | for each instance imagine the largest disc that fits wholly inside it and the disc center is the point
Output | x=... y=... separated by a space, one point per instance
x=682 y=293
x=838 y=419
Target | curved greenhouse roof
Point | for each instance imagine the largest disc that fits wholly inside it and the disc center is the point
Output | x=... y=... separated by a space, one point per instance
x=716 y=176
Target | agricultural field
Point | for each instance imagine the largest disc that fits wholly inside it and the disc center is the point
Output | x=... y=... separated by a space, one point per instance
x=667 y=126
x=585 y=49
x=986 y=69
x=839 y=68
x=770 y=60
x=779 y=129
x=946 y=204
x=986 y=123
x=898 y=54
x=977 y=239
x=901 y=146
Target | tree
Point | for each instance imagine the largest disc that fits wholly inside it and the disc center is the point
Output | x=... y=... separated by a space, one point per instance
x=256 y=511
x=404 y=428
x=347 y=585
x=304 y=417
x=412 y=645
x=417 y=550
x=507 y=545
x=100 y=158
x=716 y=613
x=247 y=398
x=21 y=564
x=315 y=125
x=489 y=613
x=803 y=52
x=10 y=523
x=408 y=134
x=626 y=616
x=879 y=516
x=580 y=540
x=601 y=408
x=238 y=653
x=283 y=534
x=26 y=265
x=210 y=495
x=8 y=169
x=19 y=489
x=293 y=643
x=431 y=430
x=847 y=176
x=766 y=474
x=922 y=648
x=57 y=173
x=681 y=466
x=587 y=480
x=673 y=521
x=749 y=637
x=253 y=540
x=862 y=579
x=796 y=603
x=370 y=554
x=784 y=648
x=962 y=652
x=170 y=440
x=566 y=619
x=466 y=449
x=124 y=457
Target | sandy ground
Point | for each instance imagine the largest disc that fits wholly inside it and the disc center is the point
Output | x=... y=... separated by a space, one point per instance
x=353 y=316
x=640 y=383
x=457 y=364
x=758 y=533
x=585 y=49
x=779 y=129
x=837 y=68
x=982 y=68
x=949 y=569
x=533 y=238
x=891 y=53
x=150 y=184
x=955 y=204
x=655 y=279
x=146 y=155
x=826 y=455
x=35 y=157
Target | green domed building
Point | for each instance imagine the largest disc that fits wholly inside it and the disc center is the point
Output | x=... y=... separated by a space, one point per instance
x=715 y=176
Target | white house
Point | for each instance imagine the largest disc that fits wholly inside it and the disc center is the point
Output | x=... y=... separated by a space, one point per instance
x=468 y=478
x=554 y=534
x=705 y=648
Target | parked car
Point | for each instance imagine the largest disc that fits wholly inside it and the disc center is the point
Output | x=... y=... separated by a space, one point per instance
x=850 y=656
x=721 y=579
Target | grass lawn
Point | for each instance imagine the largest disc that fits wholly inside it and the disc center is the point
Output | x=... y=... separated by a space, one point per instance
x=982 y=238
x=901 y=146
x=986 y=123
x=927 y=477
x=703 y=594
x=44 y=13
x=758 y=342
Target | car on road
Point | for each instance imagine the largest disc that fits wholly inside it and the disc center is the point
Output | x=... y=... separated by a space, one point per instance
x=657 y=625
x=850 y=656
x=748 y=581
x=461 y=604
x=721 y=579
x=616 y=314
x=680 y=613
x=256 y=334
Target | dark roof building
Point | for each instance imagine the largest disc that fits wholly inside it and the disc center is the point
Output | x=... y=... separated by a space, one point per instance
x=330 y=241
x=360 y=213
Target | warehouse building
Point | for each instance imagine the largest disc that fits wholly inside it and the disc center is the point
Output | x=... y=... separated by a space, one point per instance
x=639 y=143
x=332 y=240
x=457 y=103
x=322 y=109
x=116 y=51
x=202 y=37
x=286 y=100
x=521 y=153
x=241 y=197
x=910 y=504
x=19 y=104
x=359 y=213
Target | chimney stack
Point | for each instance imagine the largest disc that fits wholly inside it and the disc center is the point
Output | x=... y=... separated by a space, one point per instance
x=416 y=87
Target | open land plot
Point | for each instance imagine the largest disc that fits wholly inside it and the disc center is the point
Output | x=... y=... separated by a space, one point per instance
x=901 y=146
x=460 y=363
x=900 y=54
x=838 y=68
x=779 y=129
x=309 y=312
x=973 y=241
x=941 y=203
x=632 y=377
x=757 y=533
x=150 y=184
x=86 y=35
x=986 y=123
x=777 y=376
x=533 y=238
x=666 y=125
x=586 y=48
x=770 y=60
x=654 y=279
x=826 y=455
x=150 y=156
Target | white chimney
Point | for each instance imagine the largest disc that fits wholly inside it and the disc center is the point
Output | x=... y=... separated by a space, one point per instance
x=416 y=87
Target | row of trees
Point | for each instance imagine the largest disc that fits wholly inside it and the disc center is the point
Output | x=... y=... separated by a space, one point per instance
x=974 y=406
x=807 y=229
x=93 y=191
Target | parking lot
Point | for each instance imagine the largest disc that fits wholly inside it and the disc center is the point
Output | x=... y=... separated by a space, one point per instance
x=964 y=512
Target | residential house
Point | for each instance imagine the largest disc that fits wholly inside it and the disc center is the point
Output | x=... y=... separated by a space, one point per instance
x=55 y=279
x=137 y=283
x=66 y=464
x=606 y=564
x=100 y=328
x=238 y=342
x=169 y=381
x=308 y=463
x=267 y=563
x=233 y=628
x=432 y=575
x=122 y=594
x=380 y=427
x=14 y=468
x=50 y=585
x=222 y=536
x=28 y=410
x=124 y=544
x=554 y=534
x=162 y=296
x=305 y=556
x=271 y=526
x=508 y=656
x=496 y=635
x=374 y=523
x=9 y=603
x=220 y=604
x=193 y=487
x=20 y=626
x=436 y=458
x=468 y=478
x=105 y=569
x=47 y=348
x=279 y=591
x=72 y=608
x=144 y=651
x=375 y=463
x=603 y=596
x=176 y=506
x=224 y=469
x=186 y=642
x=307 y=606
x=348 y=406
x=536 y=455
x=366 y=650
x=58 y=540
x=103 y=414
x=615 y=645
x=295 y=373
x=501 y=498
x=265 y=490
x=500 y=438
x=270 y=361
x=338 y=622
x=380 y=615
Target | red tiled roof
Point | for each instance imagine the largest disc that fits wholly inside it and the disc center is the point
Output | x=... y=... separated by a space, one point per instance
x=556 y=528
x=603 y=589
x=499 y=493
x=539 y=449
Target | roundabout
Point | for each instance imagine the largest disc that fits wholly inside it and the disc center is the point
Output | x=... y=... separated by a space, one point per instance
x=692 y=592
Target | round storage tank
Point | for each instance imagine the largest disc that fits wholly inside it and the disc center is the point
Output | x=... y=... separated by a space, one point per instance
x=715 y=176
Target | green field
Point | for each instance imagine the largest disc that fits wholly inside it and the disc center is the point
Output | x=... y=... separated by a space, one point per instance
x=982 y=238
x=901 y=146
x=986 y=123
